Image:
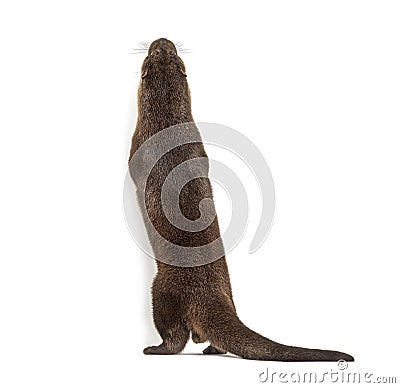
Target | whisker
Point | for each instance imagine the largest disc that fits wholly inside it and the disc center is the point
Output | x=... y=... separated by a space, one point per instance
x=143 y=47
x=180 y=48
x=139 y=51
x=144 y=43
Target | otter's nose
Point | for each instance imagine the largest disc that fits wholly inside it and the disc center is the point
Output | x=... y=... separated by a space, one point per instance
x=162 y=51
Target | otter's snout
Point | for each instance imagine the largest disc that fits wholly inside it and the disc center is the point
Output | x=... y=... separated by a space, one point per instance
x=162 y=52
x=163 y=58
x=162 y=47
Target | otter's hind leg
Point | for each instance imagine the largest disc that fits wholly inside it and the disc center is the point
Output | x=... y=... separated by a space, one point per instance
x=200 y=338
x=197 y=337
x=168 y=319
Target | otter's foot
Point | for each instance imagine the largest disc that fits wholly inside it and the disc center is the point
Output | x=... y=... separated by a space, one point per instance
x=160 y=349
x=212 y=350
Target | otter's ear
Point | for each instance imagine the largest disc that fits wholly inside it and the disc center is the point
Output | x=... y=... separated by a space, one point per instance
x=183 y=72
x=144 y=73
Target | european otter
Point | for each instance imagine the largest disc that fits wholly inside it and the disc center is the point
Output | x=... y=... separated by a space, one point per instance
x=188 y=299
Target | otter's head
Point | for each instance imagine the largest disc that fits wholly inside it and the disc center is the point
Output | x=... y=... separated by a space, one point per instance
x=163 y=62
x=163 y=87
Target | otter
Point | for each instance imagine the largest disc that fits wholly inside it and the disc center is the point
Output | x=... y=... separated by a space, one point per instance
x=190 y=299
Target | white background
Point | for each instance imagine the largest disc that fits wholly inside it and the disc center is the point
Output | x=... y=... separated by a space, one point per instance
x=315 y=84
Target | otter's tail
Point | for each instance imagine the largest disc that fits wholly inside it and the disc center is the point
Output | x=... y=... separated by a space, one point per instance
x=226 y=332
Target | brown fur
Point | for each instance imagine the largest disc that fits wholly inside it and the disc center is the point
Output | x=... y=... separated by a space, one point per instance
x=191 y=299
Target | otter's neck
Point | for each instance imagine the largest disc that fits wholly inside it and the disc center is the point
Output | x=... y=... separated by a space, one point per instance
x=163 y=105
